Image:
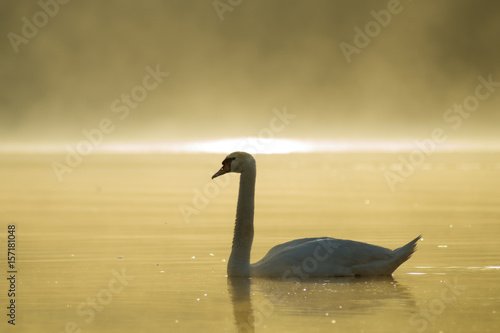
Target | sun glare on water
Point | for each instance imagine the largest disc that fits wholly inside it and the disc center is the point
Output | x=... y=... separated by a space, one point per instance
x=252 y=145
x=284 y=146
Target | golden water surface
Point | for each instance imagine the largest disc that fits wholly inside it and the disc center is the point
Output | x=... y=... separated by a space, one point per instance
x=139 y=243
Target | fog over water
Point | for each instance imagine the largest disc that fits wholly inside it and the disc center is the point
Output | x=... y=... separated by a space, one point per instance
x=228 y=69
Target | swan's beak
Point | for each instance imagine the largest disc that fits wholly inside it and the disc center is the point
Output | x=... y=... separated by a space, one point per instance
x=220 y=172
x=226 y=167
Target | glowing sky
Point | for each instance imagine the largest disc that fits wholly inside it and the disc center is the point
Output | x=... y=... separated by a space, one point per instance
x=184 y=70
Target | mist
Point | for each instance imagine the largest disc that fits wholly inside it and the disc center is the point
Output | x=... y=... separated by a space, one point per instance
x=227 y=65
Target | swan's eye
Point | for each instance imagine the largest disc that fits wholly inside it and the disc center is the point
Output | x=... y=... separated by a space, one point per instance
x=226 y=164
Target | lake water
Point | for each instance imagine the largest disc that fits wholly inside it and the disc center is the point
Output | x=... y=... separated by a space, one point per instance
x=139 y=243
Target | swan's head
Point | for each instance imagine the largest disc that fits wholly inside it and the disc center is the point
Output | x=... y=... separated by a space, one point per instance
x=236 y=162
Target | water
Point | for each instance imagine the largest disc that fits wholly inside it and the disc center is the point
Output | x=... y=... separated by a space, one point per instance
x=139 y=243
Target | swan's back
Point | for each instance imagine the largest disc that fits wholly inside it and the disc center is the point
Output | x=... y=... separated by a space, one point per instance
x=325 y=256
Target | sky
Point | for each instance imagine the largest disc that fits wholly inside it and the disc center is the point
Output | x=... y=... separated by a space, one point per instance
x=175 y=70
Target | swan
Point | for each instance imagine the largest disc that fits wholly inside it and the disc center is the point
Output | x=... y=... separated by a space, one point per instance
x=300 y=258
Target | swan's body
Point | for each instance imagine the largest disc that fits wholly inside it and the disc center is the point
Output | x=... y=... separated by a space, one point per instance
x=300 y=258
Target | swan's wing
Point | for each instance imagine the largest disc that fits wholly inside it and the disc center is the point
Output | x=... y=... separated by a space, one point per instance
x=291 y=245
x=320 y=256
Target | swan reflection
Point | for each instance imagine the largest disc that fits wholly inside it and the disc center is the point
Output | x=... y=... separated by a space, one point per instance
x=255 y=300
x=239 y=289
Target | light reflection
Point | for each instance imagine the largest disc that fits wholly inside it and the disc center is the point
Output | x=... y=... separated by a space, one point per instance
x=284 y=146
x=252 y=145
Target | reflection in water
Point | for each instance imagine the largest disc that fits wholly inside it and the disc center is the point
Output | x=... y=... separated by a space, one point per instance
x=239 y=289
x=330 y=297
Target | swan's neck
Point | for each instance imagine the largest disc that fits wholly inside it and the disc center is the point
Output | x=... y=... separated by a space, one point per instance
x=239 y=261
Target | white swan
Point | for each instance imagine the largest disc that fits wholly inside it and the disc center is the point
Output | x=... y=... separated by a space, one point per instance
x=300 y=258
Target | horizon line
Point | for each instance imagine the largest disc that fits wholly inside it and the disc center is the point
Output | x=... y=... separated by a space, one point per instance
x=254 y=146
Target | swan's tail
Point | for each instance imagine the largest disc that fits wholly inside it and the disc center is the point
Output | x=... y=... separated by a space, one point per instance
x=404 y=253
x=387 y=267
